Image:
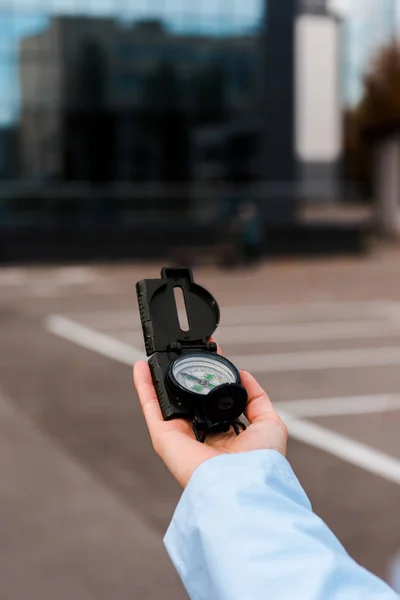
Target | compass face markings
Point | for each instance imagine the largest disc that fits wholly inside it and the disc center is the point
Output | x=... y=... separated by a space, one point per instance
x=201 y=373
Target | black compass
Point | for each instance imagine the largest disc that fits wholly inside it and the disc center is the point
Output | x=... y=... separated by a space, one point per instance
x=191 y=379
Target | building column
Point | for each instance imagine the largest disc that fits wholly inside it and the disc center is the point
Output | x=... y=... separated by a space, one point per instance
x=318 y=104
x=278 y=171
x=301 y=106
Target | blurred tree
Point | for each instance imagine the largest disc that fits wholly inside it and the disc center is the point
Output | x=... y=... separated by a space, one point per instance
x=357 y=153
x=380 y=106
x=377 y=113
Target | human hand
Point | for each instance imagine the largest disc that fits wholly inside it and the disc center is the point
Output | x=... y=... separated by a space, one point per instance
x=175 y=442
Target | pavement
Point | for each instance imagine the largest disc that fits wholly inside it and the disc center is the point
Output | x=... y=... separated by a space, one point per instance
x=85 y=502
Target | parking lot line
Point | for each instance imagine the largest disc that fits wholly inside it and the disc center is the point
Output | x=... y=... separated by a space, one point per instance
x=343 y=447
x=257 y=363
x=333 y=311
x=314 y=435
x=300 y=332
x=330 y=407
x=13 y=277
x=351 y=313
x=319 y=360
x=296 y=332
x=75 y=276
x=93 y=340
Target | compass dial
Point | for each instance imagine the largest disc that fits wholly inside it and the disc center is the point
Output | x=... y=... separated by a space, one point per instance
x=201 y=372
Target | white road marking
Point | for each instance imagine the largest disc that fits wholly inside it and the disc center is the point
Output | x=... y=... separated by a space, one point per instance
x=314 y=435
x=295 y=332
x=93 y=340
x=330 y=407
x=346 y=312
x=353 y=452
x=319 y=360
x=281 y=312
x=75 y=276
x=110 y=321
x=121 y=352
x=257 y=363
x=43 y=289
x=391 y=310
x=51 y=284
x=13 y=277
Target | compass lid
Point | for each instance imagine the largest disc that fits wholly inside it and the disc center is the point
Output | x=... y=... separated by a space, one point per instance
x=159 y=312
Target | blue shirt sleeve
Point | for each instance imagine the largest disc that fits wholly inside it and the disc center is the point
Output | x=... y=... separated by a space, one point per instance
x=245 y=530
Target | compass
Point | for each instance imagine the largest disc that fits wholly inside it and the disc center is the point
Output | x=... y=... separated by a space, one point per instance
x=201 y=373
x=191 y=379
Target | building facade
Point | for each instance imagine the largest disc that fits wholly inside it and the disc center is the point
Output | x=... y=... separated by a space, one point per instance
x=80 y=69
x=204 y=101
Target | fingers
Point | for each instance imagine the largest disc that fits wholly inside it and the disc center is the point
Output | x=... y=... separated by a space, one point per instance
x=173 y=441
x=148 y=398
x=259 y=404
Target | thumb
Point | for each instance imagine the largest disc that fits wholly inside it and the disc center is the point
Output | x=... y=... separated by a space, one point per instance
x=259 y=405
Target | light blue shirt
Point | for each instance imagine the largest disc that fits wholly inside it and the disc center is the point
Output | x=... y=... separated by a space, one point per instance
x=245 y=530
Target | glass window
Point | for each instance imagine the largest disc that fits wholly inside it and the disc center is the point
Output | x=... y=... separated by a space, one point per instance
x=130 y=83
x=111 y=91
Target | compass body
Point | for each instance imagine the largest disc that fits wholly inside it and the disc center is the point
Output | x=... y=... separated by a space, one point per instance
x=191 y=379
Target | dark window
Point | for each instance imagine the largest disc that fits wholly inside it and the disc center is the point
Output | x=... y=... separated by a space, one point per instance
x=126 y=95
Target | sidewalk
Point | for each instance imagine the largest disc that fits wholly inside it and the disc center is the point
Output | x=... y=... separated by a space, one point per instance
x=62 y=534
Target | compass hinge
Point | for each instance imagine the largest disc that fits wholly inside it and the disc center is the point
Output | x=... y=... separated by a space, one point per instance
x=179 y=347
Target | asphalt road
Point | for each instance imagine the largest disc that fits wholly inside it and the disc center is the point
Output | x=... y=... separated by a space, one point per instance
x=84 y=502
